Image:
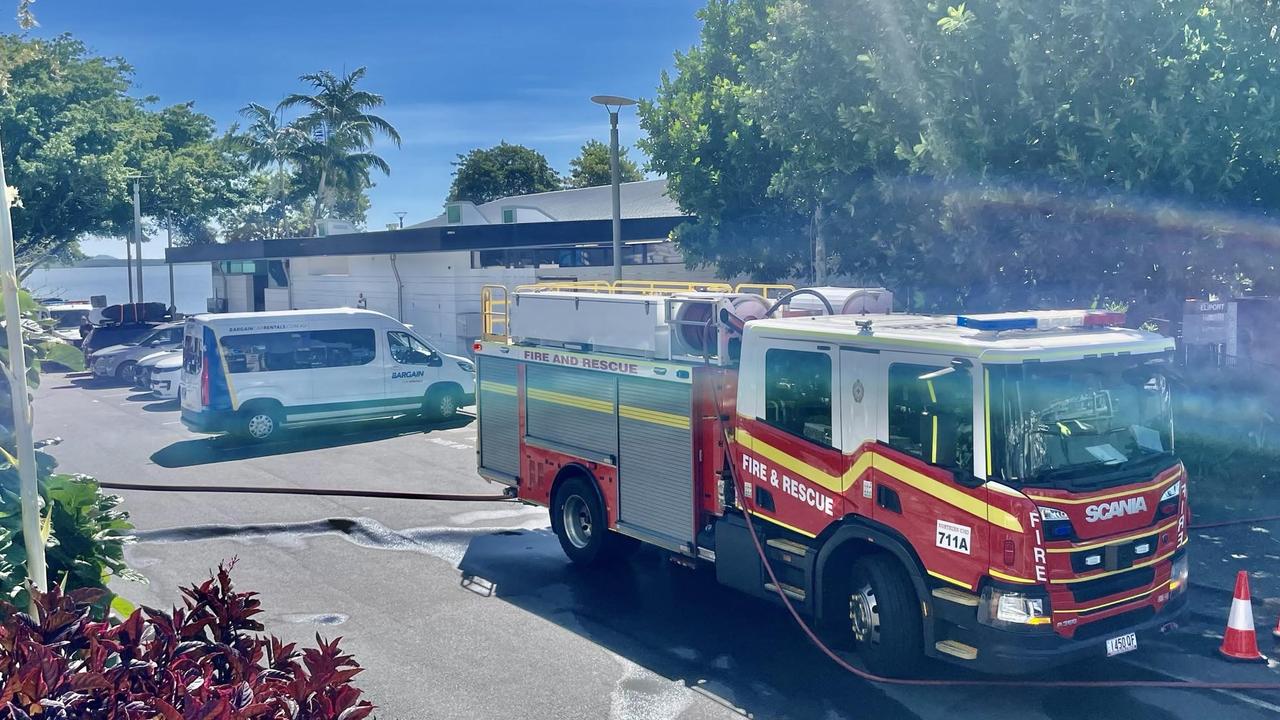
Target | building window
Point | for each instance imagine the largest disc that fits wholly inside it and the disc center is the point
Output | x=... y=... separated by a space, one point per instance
x=931 y=415
x=797 y=393
x=453 y=214
x=508 y=215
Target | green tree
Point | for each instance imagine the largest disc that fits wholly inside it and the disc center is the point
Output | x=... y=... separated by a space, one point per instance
x=591 y=167
x=73 y=136
x=1026 y=153
x=501 y=171
x=340 y=130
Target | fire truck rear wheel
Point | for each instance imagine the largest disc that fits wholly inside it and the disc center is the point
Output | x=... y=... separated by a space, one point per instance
x=884 y=616
x=578 y=519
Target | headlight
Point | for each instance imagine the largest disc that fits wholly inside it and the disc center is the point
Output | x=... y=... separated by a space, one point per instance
x=1178 y=576
x=467 y=366
x=1057 y=525
x=1049 y=513
x=1011 y=609
x=1172 y=492
x=1170 y=502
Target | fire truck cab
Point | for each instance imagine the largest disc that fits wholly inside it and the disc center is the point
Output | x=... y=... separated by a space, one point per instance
x=995 y=490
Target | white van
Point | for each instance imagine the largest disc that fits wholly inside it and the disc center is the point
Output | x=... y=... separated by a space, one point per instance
x=252 y=373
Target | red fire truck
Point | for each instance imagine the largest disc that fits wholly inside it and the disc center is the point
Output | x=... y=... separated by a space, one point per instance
x=999 y=491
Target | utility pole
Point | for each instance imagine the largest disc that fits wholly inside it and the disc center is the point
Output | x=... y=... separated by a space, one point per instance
x=17 y=371
x=819 y=249
x=137 y=232
x=400 y=215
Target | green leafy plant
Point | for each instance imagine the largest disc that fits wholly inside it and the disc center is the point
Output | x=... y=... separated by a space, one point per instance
x=83 y=529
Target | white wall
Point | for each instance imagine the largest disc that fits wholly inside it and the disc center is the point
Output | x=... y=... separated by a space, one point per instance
x=439 y=289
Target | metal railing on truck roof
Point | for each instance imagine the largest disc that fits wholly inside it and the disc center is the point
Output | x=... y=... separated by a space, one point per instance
x=495 y=313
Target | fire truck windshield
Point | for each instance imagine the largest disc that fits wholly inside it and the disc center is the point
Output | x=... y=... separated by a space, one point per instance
x=1079 y=423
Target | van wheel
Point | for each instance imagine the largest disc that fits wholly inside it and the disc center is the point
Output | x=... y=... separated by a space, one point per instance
x=259 y=423
x=442 y=404
x=884 y=616
x=127 y=372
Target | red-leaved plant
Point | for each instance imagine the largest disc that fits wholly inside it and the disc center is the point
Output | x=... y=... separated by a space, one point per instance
x=202 y=661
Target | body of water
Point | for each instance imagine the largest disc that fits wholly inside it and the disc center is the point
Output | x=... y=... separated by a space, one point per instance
x=192 y=284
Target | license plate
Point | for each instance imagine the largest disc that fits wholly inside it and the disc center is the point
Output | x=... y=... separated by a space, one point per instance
x=1122 y=644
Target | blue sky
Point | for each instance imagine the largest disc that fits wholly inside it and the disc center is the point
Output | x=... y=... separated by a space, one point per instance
x=456 y=75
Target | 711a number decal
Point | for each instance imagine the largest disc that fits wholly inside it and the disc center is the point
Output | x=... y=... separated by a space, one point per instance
x=953 y=537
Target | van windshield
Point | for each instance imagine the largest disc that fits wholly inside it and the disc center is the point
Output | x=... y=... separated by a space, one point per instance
x=1079 y=423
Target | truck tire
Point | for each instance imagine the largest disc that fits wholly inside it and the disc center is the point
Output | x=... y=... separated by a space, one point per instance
x=884 y=616
x=579 y=522
x=259 y=422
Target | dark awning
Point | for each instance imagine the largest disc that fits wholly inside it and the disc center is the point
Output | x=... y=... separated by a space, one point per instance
x=444 y=238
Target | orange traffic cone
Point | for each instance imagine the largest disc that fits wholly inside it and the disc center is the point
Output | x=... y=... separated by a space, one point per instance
x=1240 y=641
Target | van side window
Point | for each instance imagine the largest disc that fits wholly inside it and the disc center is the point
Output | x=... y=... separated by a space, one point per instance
x=797 y=393
x=266 y=352
x=407 y=349
x=931 y=418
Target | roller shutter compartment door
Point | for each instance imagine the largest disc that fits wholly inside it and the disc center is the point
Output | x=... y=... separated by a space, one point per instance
x=498 y=415
x=573 y=409
x=655 y=459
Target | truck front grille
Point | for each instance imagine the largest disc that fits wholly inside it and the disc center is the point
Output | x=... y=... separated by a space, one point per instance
x=1102 y=587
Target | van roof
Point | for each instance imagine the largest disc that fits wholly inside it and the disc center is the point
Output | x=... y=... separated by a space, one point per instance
x=941 y=333
x=278 y=314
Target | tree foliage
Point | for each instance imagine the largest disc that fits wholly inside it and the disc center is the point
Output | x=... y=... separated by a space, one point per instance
x=486 y=174
x=73 y=135
x=591 y=167
x=1024 y=153
x=337 y=134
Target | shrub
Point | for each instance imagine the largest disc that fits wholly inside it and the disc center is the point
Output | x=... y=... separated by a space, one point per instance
x=204 y=660
x=83 y=531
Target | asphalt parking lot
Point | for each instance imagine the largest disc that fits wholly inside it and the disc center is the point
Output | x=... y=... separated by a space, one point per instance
x=533 y=637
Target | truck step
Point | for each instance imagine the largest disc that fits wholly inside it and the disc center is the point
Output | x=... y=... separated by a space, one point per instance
x=958 y=597
x=787 y=546
x=790 y=591
x=957 y=649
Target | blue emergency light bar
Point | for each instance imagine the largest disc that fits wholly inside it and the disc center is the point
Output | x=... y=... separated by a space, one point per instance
x=996 y=322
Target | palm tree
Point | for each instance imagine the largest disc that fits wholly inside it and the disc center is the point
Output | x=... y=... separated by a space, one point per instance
x=267 y=142
x=340 y=128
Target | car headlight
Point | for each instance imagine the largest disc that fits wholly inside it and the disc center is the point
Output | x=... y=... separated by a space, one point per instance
x=1048 y=513
x=1172 y=492
x=467 y=366
x=1012 y=609
x=1170 y=502
x=1178 y=575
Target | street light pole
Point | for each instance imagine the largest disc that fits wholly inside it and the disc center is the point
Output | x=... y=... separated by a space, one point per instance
x=400 y=215
x=168 y=229
x=614 y=103
x=137 y=232
x=19 y=399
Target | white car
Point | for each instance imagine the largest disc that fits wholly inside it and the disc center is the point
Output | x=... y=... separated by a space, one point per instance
x=147 y=365
x=121 y=361
x=166 y=377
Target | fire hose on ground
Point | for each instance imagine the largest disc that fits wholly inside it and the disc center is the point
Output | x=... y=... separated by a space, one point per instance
x=786 y=601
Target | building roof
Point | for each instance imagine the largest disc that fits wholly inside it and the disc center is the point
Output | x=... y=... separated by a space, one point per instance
x=563 y=218
x=941 y=333
x=643 y=199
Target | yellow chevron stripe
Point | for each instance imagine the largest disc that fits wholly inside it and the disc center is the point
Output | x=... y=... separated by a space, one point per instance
x=600 y=406
x=497 y=387
x=1142 y=594
x=899 y=472
x=654 y=416
x=1009 y=578
x=792 y=528
x=940 y=576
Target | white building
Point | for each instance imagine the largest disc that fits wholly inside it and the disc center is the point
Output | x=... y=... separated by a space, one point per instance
x=429 y=275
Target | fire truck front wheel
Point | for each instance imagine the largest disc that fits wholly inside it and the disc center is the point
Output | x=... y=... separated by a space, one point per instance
x=578 y=519
x=884 y=616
